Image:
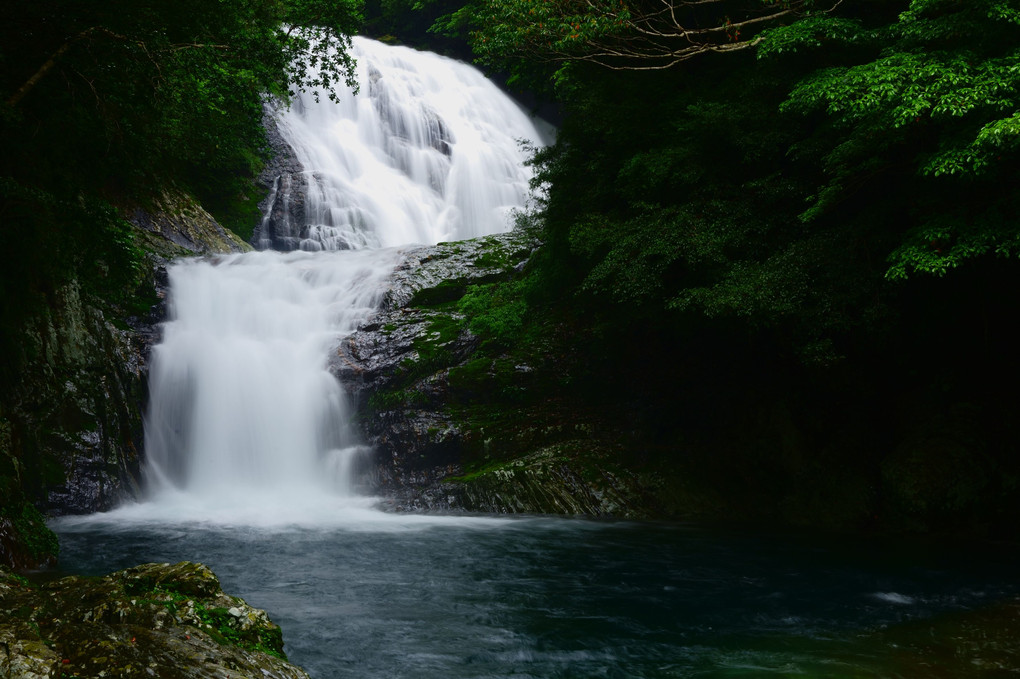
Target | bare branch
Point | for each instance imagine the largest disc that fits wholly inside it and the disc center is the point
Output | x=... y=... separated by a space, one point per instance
x=177 y=47
x=659 y=37
x=47 y=66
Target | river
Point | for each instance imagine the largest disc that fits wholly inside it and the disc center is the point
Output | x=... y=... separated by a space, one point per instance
x=380 y=596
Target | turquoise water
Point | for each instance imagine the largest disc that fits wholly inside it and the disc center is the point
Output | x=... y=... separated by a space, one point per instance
x=547 y=598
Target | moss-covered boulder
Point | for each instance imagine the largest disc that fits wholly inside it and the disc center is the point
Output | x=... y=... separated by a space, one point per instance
x=154 y=620
x=579 y=478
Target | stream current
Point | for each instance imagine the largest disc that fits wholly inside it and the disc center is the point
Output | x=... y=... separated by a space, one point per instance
x=449 y=597
x=251 y=459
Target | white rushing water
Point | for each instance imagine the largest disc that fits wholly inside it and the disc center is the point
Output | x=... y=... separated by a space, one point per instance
x=429 y=150
x=243 y=408
x=246 y=424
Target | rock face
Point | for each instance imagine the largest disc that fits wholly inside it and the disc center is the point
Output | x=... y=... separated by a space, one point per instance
x=71 y=426
x=157 y=620
x=575 y=478
x=74 y=423
x=441 y=416
x=177 y=225
x=458 y=425
x=284 y=205
x=415 y=319
x=396 y=368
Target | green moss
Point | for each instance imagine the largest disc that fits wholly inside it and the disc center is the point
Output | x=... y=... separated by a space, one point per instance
x=472 y=376
x=390 y=400
x=216 y=622
x=452 y=248
x=490 y=380
x=40 y=541
x=498 y=257
x=496 y=311
x=239 y=213
x=445 y=292
x=218 y=625
x=25 y=611
x=432 y=346
x=479 y=468
x=142 y=301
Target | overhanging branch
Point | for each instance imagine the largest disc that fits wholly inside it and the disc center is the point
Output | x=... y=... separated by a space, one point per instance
x=48 y=65
x=659 y=37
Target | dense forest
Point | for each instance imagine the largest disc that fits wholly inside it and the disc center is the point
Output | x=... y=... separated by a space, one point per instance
x=779 y=237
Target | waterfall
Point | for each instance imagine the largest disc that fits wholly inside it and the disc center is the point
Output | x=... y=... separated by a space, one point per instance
x=245 y=420
x=429 y=150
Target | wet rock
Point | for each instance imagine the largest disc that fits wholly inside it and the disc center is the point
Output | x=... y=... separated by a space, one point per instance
x=176 y=224
x=286 y=187
x=157 y=620
x=441 y=273
x=396 y=367
x=377 y=355
x=574 y=478
x=568 y=478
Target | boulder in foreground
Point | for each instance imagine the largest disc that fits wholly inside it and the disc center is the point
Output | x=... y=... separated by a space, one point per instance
x=154 y=620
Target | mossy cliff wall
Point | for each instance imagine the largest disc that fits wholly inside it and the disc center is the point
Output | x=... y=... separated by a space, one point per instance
x=71 y=420
x=557 y=421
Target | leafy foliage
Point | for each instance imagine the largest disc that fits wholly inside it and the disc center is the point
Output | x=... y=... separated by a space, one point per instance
x=784 y=195
x=786 y=198
x=160 y=88
x=104 y=103
x=934 y=105
x=686 y=205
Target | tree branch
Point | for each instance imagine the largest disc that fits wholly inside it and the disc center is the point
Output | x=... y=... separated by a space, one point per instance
x=48 y=65
x=654 y=39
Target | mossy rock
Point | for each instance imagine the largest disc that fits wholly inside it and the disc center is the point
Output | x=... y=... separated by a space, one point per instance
x=160 y=620
x=942 y=471
x=981 y=643
x=187 y=578
x=579 y=478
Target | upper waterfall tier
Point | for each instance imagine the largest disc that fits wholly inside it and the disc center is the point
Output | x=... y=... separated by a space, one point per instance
x=428 y=150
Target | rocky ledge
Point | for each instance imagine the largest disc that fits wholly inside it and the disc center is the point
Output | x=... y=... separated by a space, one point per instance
x=446 y=417
x=154 y=620
x=396 y=367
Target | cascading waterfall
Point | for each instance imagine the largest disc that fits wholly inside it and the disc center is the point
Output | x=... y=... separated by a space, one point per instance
x=241 y=400
x=244 y=417
x=428 y=150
